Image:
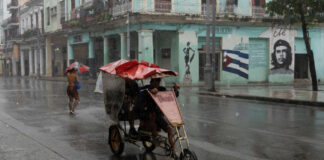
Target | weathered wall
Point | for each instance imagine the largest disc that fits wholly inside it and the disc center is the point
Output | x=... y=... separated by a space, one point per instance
x=55 y=23
x=259 y=39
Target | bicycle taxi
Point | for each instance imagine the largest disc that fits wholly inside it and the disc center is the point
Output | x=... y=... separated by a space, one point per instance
x=114 y=80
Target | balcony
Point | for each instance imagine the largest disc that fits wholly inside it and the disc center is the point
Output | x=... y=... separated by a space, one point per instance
x=31 y=33
x=225 y=10
x=13 y=5
x=121 y=9
x=258 y=12
x=12 y=37
x=163 y=7
x=10 y=22
x=229 y=10
x=83 y=19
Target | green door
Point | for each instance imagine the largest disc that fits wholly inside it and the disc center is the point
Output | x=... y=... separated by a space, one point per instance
x=258 y=60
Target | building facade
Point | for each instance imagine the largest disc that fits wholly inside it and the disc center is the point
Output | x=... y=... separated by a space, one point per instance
x=56 y=38
x=32 y=44
x=251 y=47
x=172 y=34
x=11 y=35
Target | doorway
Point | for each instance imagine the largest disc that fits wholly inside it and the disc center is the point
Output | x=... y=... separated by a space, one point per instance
x=301 y=66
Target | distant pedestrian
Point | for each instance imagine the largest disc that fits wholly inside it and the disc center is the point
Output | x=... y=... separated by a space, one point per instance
x=72 y=91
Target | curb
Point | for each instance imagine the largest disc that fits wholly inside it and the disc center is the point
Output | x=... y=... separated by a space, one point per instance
x=266 y=99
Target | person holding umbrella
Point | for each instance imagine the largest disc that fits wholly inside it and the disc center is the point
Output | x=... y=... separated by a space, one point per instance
x=72 y=91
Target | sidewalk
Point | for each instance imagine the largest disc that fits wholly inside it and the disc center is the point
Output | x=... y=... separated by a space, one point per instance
x=300 y=94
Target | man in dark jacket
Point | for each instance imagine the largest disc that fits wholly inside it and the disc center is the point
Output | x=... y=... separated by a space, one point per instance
x=152 y=116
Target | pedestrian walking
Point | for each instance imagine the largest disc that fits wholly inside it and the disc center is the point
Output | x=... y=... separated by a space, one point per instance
x=72 y=92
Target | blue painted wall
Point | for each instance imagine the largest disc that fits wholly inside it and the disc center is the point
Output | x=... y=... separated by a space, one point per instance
x=244 y=7
x=186 y=6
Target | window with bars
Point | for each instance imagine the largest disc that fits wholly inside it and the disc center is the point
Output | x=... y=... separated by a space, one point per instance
x=258 y=3
x=232 y=2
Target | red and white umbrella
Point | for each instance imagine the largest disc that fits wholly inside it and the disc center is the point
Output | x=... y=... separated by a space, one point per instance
x=76 y=65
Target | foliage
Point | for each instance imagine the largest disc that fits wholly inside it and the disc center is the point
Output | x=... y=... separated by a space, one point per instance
x=90 y=20
x=29 y=33
x=292 y=9
x=74 y=23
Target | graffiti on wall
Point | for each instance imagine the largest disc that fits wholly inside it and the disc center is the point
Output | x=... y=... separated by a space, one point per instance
x=281 y=58
x=282 y=40
x=188 y=59
x=282 y=53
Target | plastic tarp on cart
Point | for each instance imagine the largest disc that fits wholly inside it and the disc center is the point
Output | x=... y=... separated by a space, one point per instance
x=167 y=102
x=114 y=91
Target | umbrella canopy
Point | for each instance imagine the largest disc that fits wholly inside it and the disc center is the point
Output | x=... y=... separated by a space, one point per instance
x=76 y=65
x=137 y=71
x=111 y=67
x=134 y=70
x=160 y=72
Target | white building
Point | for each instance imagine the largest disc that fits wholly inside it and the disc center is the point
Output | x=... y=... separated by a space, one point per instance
x=31 y=46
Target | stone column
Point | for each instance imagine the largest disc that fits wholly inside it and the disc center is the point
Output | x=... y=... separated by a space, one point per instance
x=31 y=70
x=106 y=50
x=40 y=20
x=145 y=45
x=36 y=61
x=41 y=61
x=70 y=53
x=49 y=72
x=22 y=63
x=91 y=57
x=123 y=46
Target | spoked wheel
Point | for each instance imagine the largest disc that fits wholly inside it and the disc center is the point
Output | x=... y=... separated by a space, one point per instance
x=149 y=146
x=188 y=155
x=115 y=140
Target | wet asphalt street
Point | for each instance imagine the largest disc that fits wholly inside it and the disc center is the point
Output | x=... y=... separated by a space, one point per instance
x=35 y=125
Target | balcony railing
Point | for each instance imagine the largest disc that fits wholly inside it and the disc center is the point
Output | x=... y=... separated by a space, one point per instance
x=121 y=9
x=32 y=33
x=13 y=4
x=85 y=19
x=10 y=21
x=258 y=12
x=229 y=10
x=12 y=37
x=164 y=7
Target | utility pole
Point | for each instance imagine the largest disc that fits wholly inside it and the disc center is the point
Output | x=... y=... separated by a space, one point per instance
x=128 y=30
x=209 y=82
x=213 y=45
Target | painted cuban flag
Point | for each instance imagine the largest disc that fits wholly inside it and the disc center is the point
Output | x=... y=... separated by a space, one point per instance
x=236 y=62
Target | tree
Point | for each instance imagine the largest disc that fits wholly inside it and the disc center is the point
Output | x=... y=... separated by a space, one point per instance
x=304 y=12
